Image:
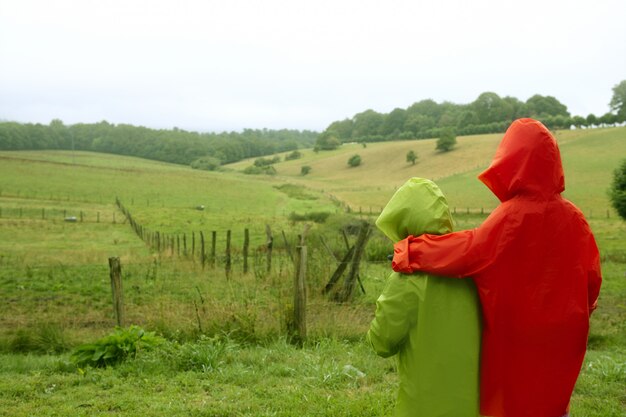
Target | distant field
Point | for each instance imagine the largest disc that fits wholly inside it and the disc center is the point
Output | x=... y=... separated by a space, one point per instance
x=160 y=196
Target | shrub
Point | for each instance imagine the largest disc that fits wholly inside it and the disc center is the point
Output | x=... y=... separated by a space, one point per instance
x=354 y=161
x=315 y=216
x=293 y=155
x=116 y=347
x=207 y=163
x=257 y=170
x=617 y=192
x=263 y=162
x=305 y=170
x=446 y=141
x=411 y=157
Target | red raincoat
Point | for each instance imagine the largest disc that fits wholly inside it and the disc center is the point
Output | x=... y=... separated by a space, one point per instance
x=536 y=266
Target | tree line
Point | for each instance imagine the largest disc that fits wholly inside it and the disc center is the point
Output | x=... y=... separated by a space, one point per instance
x=168 y=145
x=489 y=113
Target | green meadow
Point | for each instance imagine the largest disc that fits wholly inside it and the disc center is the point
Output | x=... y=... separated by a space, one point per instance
x=225 y=349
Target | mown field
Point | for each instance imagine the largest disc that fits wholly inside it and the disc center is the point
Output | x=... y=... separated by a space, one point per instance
x=226 y=350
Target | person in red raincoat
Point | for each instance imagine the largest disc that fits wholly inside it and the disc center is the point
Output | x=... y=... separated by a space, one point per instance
x=537 y=269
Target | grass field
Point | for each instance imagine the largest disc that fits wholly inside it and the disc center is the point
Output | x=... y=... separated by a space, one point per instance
x=226 y=352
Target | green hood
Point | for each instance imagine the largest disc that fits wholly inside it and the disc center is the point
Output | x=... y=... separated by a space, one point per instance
x=417 y=207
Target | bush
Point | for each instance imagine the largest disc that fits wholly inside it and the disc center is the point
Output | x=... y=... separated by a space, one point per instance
x=293 y=155
x=116 y=347
x=354 y=161
x=446 y=141
x=617 y=192
x=263 y=162
x=305 y=170
x=411 y=157
x=257 y=170
x=315 y=216
x=207 y=163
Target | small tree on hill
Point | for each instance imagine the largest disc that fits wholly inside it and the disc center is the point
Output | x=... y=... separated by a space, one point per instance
x=411 y=157
x=305 y=169
x=618 y=102
x=617 y=192
x=327 y=142
x=293 y=155
x=354 y=161
x=446 y=140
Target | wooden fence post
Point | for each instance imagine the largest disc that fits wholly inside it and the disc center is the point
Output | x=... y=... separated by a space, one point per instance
x=213 y=242
x=353 y=275
x=287 y=246
x=185 y=244
x=116 y=288
x=202 y=253
x=270 y=245
x=228 y=262
x=299 y=296
x=246 y=244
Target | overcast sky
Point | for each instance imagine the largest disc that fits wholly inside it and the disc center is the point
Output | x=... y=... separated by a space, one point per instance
x=231 y=64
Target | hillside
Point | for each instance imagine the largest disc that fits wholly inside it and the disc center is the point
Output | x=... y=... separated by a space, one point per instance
x=589 y=158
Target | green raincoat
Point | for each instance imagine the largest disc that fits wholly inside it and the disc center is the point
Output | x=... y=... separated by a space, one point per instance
x=432 y=324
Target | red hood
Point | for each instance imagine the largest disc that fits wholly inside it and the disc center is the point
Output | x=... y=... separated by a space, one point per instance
x=527 y=161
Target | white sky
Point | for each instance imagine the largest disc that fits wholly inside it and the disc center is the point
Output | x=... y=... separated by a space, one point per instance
x=230 y=64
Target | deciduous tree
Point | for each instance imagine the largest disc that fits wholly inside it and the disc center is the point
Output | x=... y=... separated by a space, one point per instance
x=446 y=141
x=617 y=192
x=618 y=101
x=411 y=157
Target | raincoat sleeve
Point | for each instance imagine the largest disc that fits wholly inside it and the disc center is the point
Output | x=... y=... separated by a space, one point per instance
x=459 y=254
x=594 y=276
x=396 y=313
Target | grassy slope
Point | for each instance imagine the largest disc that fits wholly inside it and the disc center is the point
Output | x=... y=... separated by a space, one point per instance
x=589 y=157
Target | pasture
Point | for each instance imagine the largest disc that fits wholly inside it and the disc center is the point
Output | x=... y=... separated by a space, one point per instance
x=226 y=349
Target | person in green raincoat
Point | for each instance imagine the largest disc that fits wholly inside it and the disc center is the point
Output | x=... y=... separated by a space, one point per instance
x=432 y=324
